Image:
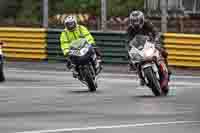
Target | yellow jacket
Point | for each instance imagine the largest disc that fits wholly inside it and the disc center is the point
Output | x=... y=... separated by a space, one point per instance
x=67 y=37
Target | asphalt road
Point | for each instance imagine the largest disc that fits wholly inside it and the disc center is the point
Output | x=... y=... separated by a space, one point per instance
x=51 y=101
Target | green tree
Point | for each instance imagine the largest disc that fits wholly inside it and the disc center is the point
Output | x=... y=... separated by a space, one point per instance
x=123 y=7
x=82 y=6
x=56 y=7
x=9 y=9
x=115 y=7
x=30 y=11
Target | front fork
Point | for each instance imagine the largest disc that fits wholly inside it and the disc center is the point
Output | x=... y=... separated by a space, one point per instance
x=155 y=70
x=90 y=69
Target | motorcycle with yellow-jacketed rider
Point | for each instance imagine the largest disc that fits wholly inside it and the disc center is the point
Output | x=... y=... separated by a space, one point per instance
x=82 y=56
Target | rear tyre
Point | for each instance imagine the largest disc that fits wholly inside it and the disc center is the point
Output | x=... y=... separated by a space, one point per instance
x=153 y=82
x=165 y=90
x=89 y=79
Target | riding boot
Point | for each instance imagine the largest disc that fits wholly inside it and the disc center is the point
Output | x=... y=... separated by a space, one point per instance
x=98 y=62
x=169 y=70
x=74 y=72
x=142 y=82
x=131 y=67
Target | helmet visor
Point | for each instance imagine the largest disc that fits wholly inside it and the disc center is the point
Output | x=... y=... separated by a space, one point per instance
x=70 y=25
x=135 y=21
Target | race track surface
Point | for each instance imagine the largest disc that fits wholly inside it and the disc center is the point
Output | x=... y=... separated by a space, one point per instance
x=40 y=100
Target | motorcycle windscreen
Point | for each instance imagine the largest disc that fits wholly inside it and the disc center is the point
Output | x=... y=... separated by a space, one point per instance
x=139 y=41
x=78 y=44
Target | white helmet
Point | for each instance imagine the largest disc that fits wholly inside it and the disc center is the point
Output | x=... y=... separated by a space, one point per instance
x=136 y=19
x=70 y=23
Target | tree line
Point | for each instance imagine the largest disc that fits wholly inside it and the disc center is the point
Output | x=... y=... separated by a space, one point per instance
x=30 y=11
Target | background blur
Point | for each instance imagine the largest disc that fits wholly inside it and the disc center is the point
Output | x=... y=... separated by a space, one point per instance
x=182 y=15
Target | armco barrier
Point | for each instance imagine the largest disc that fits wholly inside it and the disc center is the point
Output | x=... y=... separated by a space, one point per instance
x=112 y=45
x=184 y=49
x=31 y=44
x=24 y=43
x=53 y=45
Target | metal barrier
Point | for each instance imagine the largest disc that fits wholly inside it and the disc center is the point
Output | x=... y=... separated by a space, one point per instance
x=112 y=45
x=184 y=49
x=24 y=43
x=53 y=48
x=40 y=44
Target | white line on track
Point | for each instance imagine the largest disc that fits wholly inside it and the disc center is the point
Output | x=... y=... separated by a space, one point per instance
x=111 y=127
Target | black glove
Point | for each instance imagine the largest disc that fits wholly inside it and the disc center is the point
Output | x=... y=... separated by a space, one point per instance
x=162 y=50
x=68 y=63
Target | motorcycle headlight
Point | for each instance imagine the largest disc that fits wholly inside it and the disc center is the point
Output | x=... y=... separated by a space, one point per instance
x=148 y=52
x=138 y=57
x=83 y=51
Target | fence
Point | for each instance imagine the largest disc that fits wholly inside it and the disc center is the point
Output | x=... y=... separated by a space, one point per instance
x=184 y=49
x=24 y=43
x=42 y=44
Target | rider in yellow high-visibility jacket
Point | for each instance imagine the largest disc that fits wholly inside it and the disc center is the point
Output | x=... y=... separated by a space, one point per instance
x=68 y=36
x=72 y=32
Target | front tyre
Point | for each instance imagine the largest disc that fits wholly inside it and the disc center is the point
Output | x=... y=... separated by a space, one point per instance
x=153 y=83
x=2 y=77
x=89 y=79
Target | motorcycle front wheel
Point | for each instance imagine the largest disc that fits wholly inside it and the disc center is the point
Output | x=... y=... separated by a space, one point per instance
x=89 y=79
x=153 y=83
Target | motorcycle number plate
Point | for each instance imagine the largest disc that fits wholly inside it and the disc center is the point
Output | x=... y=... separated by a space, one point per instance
x=75 y=52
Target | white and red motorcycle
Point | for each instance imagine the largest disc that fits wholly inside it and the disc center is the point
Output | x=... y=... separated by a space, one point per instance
x=150 y=63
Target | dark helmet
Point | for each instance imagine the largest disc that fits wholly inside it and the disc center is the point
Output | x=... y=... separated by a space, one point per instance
x=70 y=23
x=136 y=19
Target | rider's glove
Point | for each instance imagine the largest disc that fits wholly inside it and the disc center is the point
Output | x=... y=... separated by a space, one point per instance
x=98 y=52
x=157 y=40
x=68 y=63
x=162 y=50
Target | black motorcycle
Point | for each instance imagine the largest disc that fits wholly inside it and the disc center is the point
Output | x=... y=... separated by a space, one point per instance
x=2 y=77
x=84 y=59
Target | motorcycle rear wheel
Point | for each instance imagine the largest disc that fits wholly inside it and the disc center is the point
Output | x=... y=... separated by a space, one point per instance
x=2 y=77
x=165 y=91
